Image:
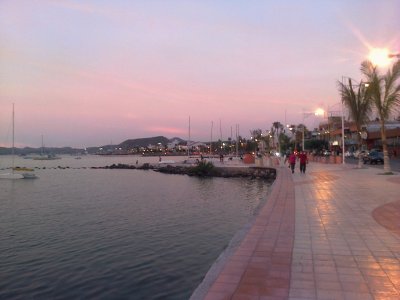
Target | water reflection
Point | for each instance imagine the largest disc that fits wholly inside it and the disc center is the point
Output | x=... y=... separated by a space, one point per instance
x=117 y=233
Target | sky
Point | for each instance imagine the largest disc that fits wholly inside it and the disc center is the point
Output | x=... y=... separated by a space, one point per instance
x=91 y=73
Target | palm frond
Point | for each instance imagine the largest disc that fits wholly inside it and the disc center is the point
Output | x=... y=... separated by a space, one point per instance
x=357 y=101
x=368 y=69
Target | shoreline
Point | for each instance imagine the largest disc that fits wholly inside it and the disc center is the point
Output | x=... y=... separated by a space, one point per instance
x=218 y=265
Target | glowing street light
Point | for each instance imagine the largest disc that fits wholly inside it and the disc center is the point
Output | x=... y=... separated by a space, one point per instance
x=319 y=112
x=380 y=57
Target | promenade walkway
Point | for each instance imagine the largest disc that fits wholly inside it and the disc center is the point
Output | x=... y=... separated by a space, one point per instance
x=332 y=233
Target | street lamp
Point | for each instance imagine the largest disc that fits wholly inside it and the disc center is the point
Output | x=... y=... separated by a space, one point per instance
x=379 y=57
x=343 y=145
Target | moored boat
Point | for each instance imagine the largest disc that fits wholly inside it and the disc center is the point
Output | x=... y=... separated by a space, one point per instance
x=11 y=176
x=29 y=176
x=23 y=169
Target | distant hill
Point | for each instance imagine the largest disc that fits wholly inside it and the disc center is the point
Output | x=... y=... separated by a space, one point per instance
x=126 y=145
x=132 y=143
x=47 y=150
x=143 y=142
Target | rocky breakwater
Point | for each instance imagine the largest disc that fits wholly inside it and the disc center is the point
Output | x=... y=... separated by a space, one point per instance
x=205 y=169
x=145 y=166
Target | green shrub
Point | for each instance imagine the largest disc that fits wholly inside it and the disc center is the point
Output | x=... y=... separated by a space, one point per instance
x=204 y=168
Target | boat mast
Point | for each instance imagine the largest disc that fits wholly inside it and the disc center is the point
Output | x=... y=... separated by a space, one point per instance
x=212 y=124
x=230 y=143
x=220 y=134
x=12 y=148
x=237 y=140
x=42 y=149
x=188 y=151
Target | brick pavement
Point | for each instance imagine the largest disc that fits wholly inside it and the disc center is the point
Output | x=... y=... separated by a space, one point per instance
x=332 y=233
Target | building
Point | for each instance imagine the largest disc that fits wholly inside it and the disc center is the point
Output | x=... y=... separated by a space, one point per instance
x=371 y=135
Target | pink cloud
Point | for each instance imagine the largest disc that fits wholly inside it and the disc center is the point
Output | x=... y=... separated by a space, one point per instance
x=166 y=130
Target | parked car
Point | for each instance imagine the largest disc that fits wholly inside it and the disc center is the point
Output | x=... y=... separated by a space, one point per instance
x=361 y=153
x=373 y=157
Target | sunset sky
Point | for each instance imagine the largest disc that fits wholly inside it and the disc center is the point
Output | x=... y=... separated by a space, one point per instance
x=88 y=73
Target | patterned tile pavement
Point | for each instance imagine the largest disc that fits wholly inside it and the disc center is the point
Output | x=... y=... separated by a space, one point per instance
x=332 y=233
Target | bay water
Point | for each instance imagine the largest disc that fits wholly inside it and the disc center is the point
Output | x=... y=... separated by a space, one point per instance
x=82 y=233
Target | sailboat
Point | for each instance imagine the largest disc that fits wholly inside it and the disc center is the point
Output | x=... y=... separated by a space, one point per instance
x=43 y=156
x=14 y=175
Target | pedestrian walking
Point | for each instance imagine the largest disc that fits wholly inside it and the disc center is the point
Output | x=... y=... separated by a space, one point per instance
x=292 y=161
x=303 y=161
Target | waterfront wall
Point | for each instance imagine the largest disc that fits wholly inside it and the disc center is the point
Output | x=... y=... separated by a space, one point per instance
x=332 y=159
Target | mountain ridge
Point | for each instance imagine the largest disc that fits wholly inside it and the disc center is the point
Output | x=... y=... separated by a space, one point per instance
x=125 y=145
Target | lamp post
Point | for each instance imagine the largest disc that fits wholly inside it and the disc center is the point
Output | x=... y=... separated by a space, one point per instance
x=343 y=146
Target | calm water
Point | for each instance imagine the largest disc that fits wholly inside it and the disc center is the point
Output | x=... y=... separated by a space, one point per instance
x=115 y=234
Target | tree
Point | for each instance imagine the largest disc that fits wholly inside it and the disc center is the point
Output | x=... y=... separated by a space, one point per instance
x=359 y=105
x=284 y=142
x=317 y=145
x=385 y=94
x=297 y=134
x=302 y=131
x=278 y=128
x=255 y=137
x=293 y=130
x=272 y=133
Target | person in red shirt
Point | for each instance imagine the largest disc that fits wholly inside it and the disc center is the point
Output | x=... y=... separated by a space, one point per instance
x=303 y=161
x=292 y=161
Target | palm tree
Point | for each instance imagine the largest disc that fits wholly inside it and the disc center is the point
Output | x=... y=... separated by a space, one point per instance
x=293 y=130
x=303 y=130
x=256 y=135
x=385 y=94
x=278 y=129
x=359 y=105
x=272 y=134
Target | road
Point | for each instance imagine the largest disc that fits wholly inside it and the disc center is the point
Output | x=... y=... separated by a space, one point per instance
x=394 y=164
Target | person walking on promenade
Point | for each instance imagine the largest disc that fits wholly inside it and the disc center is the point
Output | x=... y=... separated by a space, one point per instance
x=303 y=161
x=292 y=161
